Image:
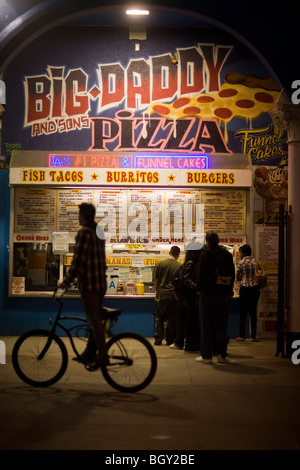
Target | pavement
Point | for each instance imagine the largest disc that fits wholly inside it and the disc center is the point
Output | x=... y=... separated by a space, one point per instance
x=251 y=403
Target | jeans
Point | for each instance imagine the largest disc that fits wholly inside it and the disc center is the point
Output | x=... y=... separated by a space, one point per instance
x=188 y=327
x=92 y=303
x=248 y=304
x=166 y=310
x=214 y=314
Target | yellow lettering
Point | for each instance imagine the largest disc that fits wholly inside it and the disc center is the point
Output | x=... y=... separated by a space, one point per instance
x=131 y=177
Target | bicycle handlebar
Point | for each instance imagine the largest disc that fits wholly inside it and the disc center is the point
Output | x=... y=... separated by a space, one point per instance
x=58 y=293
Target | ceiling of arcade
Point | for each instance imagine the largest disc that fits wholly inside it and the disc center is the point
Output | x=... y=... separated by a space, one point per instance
x=268 y=30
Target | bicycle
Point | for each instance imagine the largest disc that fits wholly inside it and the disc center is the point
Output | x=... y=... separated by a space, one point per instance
x=40 y=357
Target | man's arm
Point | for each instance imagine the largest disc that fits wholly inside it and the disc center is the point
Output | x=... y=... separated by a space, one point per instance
x=188 y=274
x=79 y=254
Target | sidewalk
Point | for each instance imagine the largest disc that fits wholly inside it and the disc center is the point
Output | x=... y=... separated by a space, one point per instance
x=250 y=403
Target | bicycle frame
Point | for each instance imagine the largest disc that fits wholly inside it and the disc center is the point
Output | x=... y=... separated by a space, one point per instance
x=63 y=327
x=124 y=349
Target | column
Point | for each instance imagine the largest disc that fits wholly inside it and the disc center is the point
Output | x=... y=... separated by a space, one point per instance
x=286 y=115
x=2 y=160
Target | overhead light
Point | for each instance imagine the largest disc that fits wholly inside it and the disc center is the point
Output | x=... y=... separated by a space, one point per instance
x=137 y=12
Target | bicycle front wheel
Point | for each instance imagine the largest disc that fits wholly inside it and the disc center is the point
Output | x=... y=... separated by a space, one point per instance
x=39 y=358
x=132 y=362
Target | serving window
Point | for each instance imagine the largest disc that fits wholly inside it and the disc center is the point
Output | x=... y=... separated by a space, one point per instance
x=139 y=227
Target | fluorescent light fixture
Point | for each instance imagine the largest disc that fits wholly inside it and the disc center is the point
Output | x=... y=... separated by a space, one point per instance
x=137 y=12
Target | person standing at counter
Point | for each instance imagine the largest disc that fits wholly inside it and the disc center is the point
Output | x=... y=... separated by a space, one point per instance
x=89 y=267
x=249 y=291
x=166 y=302
x=188 y=327
x=215 y=279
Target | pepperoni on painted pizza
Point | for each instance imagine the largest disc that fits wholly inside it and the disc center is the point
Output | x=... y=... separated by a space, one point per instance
x=232 y=100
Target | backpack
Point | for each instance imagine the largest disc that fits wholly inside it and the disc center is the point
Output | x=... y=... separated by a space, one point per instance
x=261 y=277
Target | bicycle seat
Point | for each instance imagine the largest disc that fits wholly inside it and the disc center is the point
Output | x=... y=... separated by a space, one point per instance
x=111 y=313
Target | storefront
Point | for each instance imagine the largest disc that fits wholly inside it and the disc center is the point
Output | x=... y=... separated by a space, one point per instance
x=144 y=205
x=167 y=134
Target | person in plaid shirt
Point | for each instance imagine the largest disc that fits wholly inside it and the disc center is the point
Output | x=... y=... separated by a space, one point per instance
x=89 y=267
x=249 y=291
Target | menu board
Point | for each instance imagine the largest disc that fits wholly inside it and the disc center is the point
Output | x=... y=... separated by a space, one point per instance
x=111 y=210
x=68 y=201
x=35 y=210
x=224 y=211
x=184 y=213
x=133 y=216
x=145 y=214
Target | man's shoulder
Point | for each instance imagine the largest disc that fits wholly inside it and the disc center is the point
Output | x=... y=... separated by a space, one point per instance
x=218 y=249
x=167 y=261
x=175 y=263
x=215 y=252
x=225 y=251
x=88 y=235
x=84 y=232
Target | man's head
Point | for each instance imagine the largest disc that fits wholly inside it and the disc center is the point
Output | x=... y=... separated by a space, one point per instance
x=86 y=213
x=212 y=239
x=175 y=251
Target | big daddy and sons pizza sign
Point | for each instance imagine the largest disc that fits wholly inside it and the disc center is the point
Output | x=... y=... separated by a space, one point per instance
x=205 y=103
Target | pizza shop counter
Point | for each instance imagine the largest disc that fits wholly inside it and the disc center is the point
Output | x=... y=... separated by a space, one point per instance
x=137 y=313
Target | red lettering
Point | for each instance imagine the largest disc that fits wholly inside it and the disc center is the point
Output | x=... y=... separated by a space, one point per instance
x=113 y=84
x=215 y=57
x=138 y=84
x=57 y=85
x=164 y=78
x=37 y=90
x=77 y=101
x=191 y=68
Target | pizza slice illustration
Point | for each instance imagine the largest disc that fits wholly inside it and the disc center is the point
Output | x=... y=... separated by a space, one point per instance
x=246 y=97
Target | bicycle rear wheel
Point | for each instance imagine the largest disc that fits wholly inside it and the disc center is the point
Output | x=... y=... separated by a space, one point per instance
x=39 y=358
x=132 y=362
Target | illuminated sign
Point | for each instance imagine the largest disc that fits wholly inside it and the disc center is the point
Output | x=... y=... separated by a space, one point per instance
x=169 y=162
x=160 y=177
x=89 y=161
x=199 y=162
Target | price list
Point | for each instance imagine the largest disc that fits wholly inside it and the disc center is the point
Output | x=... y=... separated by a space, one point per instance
x=124 y=214
x=224 y=211
x=111 y=211
x=144 y=213
x=68 y=201
x=34 y=210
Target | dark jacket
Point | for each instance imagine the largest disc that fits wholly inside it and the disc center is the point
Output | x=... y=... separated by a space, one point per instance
x=188 y=274
x=207 y=267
